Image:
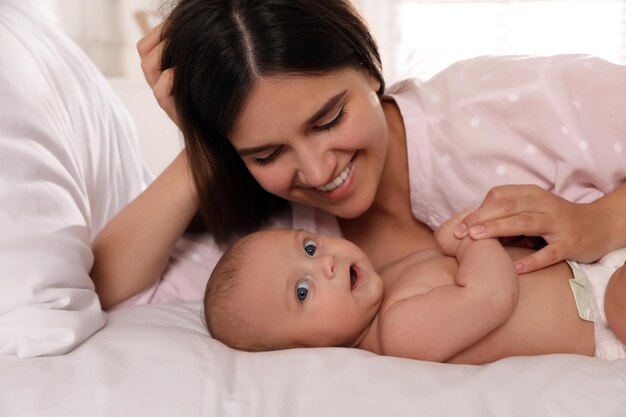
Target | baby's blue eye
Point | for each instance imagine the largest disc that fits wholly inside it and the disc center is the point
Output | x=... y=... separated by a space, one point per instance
x=302 y=290
x=310 y=247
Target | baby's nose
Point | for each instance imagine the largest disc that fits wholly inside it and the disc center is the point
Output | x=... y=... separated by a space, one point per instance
x=329 y=266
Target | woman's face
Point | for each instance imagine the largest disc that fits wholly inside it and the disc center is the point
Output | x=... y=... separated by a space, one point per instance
x=317 y=140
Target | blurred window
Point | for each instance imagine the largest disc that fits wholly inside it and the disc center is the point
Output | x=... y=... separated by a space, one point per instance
x=419 y=37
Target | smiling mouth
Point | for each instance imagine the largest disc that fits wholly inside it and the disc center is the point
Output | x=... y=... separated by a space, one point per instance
x=340 y=179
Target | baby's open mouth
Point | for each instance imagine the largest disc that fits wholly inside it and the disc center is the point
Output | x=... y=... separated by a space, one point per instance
x=353 y=278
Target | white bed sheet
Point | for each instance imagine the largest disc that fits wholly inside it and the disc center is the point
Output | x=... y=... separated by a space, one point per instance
x=158 y=360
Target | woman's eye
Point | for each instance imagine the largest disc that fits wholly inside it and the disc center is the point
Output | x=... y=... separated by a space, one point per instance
x=310 y=247
x=302 y=290
x=270 y=158
x=333 y=122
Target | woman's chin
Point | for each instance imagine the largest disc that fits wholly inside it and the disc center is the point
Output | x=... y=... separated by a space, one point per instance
x=353 y=208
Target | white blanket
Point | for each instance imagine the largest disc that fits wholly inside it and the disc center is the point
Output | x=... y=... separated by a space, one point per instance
x=157 y=360
x=69 y=161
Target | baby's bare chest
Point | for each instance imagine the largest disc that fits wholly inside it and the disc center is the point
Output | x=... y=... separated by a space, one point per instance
x=417 y=274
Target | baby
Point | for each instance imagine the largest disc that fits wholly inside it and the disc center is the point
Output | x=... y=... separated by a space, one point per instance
x=280 y=289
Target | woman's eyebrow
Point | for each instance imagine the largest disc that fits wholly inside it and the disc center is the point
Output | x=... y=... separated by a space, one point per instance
x=323 y=111
x=250 y=151
x=327 y=107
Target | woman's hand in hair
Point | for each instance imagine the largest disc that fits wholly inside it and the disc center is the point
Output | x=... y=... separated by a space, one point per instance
x=160 y=81
x=581 y=232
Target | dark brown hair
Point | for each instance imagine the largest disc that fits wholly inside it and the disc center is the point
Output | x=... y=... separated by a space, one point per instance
x=219 y=48
x=222 y=321
x=223 y=318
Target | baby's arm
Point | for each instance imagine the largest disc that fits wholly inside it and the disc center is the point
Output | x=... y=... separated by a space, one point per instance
x=448 y=319
x=133 y=249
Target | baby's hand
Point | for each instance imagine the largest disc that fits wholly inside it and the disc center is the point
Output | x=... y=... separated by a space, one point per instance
x=444 y=234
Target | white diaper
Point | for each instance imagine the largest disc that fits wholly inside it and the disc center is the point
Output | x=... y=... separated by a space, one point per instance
x=589 y=286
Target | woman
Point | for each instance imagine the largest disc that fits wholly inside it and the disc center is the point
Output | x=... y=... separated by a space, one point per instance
x=285 y=101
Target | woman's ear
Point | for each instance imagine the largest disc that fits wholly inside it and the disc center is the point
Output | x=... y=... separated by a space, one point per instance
x=374 y=81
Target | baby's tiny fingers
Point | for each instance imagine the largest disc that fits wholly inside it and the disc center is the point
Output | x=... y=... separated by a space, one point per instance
x=460 y=231
x=458 y=222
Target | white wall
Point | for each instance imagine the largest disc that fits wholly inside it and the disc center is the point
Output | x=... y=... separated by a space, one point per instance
x=106 y=29
x=159 y=138
x=421 y=37
x=108 y=32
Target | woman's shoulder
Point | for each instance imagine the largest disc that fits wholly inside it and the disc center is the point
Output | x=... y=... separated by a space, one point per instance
x=497 y=63
x=497 y=72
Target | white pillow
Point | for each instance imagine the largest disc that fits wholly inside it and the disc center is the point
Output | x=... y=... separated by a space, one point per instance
x=69 y=161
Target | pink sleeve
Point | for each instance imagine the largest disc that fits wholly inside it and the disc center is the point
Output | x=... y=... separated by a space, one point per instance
x=186 y=275
x=557 y=122
x=590 y=95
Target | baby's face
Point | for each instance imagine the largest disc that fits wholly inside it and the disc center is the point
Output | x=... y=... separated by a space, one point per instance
x=306 y=289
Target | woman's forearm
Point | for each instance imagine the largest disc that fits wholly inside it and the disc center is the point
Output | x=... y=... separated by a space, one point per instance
x=612 y=208
x=133 y=249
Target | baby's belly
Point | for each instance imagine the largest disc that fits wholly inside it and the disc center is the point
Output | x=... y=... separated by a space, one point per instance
x=545 y=321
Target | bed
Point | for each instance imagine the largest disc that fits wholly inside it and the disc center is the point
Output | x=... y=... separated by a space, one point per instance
x=157 y=360
x=68 y=162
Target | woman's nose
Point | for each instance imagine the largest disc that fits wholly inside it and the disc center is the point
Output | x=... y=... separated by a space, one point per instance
x=315 y=167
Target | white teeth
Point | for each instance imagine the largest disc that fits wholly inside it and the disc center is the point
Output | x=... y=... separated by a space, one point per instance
x=343 y=175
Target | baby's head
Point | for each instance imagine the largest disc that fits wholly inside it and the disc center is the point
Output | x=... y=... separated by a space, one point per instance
x=279 y=289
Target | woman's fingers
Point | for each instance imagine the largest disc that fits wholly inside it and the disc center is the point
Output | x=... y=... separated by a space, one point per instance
x=163 y=93
x=151 y=65
x=572 y=230
x=150 y=40
x=505 y=201
x=150 y=49
x=514 y=210
x=547 y=256
x=529 y=224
